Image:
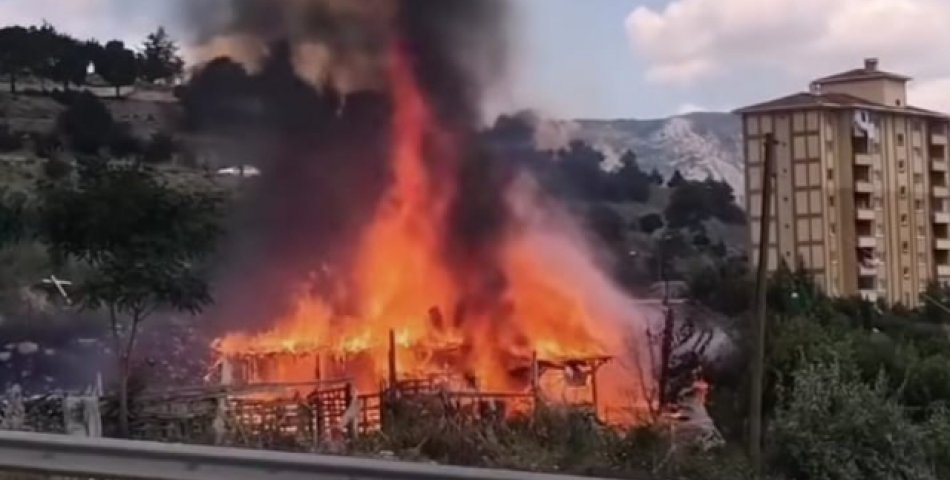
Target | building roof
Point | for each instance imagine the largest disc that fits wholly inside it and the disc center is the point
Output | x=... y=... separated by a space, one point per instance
x=807 y=100
x=866 y=73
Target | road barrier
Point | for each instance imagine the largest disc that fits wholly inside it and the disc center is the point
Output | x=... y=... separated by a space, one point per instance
x=118 y=459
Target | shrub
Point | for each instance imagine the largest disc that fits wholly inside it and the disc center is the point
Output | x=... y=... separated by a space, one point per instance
x=10 y=141
x=650 y=223
x=45 y=145
x=833 y=426
x=159 y=149
x=123 y=143
x=87 y=123
x=56 y=169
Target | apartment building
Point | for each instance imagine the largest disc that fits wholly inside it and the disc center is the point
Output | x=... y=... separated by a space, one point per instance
x=860 y=198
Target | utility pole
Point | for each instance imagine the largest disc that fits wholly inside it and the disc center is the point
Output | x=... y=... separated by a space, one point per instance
x=761 y=286
x=666 y=341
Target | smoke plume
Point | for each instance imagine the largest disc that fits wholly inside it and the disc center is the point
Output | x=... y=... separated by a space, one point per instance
x=318 y=85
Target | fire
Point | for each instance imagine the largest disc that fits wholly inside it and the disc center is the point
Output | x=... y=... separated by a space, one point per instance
x=409 y=297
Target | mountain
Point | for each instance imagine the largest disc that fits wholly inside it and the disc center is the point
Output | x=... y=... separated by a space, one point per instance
x=699 y=145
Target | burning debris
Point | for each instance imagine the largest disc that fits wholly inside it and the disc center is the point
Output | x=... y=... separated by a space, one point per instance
x=394 y=248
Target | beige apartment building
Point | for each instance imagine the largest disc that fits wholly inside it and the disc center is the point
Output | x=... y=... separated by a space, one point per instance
x=860 y=198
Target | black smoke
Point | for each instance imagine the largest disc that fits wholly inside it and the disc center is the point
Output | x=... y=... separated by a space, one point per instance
x=324 y=137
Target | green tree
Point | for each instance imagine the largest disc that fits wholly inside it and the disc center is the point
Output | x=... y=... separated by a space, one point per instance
x=159 y=59
x=676 y=180
x=143 y=243
x=117 y=65
x=71 y=61
x=629 y=182
x=15 y=54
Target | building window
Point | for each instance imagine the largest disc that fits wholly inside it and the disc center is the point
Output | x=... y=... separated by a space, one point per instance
x=905 y=247
x=903 y=191
x=900 y=139
x=919 y=204
x=915 y=125
x=904 y=219
x=918 y=178
x=900 y=165
x=918 y=152
x=831 y=174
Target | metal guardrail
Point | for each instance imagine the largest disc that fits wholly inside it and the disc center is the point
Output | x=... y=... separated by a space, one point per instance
x=118 y=459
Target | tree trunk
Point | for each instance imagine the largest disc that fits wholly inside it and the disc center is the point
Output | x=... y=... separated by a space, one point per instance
x=124 y=396
x=13 y=83
x=118 y=92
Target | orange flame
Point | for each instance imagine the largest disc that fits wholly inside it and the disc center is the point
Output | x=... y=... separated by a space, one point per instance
x=404 y=285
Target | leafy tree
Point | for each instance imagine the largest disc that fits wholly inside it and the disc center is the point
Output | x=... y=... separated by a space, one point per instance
x=695 y=202
x=71 y=63
x=117 y=65
x=215 y=94
x=87 y=123
x=159 y=59
x=676 y=180
x=581 y=168
x=15 y=54
x=143 y=242
x=650 y=223
x=629 y=182
x=656 y=177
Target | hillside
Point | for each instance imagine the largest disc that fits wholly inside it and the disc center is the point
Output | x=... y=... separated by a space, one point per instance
x=699 y=145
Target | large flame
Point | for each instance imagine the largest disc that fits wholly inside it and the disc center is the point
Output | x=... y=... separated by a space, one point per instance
x=556 y=304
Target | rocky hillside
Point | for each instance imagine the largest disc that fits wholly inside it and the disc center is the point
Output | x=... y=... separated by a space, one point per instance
x=699 y=145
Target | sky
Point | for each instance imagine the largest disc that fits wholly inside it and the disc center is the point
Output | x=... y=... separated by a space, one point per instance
x=646 y=58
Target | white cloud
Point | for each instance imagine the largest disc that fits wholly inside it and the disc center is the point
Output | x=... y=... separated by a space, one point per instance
x=689 y=41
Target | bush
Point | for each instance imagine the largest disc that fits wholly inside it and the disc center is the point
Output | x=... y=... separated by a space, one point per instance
x=123 y=143
x=45 y=145
x=10 y=141
x=159 y=149
x=833 y=426
x=87 y=124
x=650 y=223
x=57 y=169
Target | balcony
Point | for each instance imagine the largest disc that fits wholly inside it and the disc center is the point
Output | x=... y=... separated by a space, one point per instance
x=938 y=165
x=863 y=186
x=938 y=137
x=942 y=243
x=942 y=217
x=864 y=159
x=866 y=213
x=869 y=295
x=866 y=241
x=941 y=192
x=866 y=269
x=943 y=270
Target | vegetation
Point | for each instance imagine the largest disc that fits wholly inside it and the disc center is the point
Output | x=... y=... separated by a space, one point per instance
x=142 y=241
x=45 y=53
x=854 y=389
